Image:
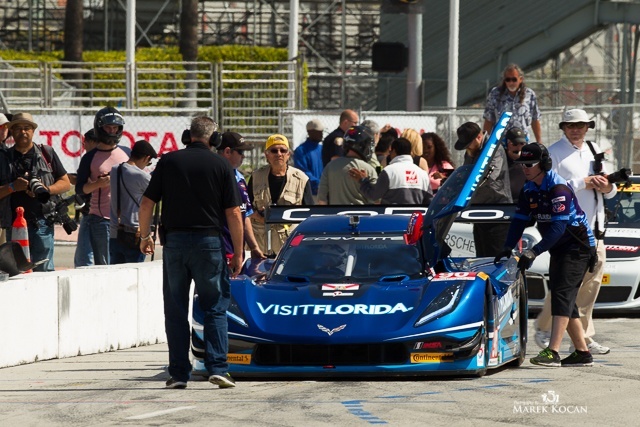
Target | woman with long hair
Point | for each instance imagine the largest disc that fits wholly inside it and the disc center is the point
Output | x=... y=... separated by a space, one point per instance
x=416 y=147
x=438 y=157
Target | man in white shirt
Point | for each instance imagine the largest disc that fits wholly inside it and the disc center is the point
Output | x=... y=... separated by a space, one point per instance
x=574 y=159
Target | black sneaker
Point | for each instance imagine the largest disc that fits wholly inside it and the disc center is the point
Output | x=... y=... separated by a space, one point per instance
x=547 y=357
x=222 y=380
x=173 y=383
x=578 y=358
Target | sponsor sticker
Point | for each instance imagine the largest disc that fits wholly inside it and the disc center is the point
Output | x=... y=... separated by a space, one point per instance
x=621 y=248
x=239 y=358
x=480 y=357
x=558 y=207
x=606 y=279
x=337 y=294
x=458 y=275
x=431 y=357
x=558 y=199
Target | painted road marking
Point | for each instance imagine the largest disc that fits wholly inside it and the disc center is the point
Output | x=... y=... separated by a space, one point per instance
x=159 y=413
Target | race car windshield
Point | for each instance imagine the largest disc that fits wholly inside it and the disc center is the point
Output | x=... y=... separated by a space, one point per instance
x=365 y=258
x=624 y=208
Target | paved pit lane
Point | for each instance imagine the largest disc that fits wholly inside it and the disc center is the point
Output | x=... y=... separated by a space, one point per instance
x=126 y=388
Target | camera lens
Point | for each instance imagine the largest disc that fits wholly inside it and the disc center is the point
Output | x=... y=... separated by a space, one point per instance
x=41 y=193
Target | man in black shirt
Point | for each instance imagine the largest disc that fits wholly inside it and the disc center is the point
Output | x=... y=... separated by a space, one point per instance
x=198 y=192
x=35 y=167
x=331 y=150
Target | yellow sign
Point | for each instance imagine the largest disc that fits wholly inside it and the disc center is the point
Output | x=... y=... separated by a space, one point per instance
x=239 y=358
x=431 y=357
x=606 y=279
x=635 y=188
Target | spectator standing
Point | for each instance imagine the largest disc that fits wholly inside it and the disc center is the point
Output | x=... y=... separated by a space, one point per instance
x=93 y=177
x=401 y=182
x=495 y=189
x=199 y=193
x=513 y=95
x=5 y=202
x=438 y=157
x=335 y=186
x=129 y=183
x=516 y=139
x=232 y=148
x=40 y=161
x=374 y=130
x=308 y=156
x=84 y=253
x=574 y=160
x=4 y=130
x=276 y=183
x=550 y=200
x=332 y=148
x=416 y=148
x=383 y=149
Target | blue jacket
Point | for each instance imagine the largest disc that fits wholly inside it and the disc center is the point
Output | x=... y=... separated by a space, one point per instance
x=308 y=158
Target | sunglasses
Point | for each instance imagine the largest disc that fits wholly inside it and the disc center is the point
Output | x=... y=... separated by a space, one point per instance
x=575 y=125
x=510 y=79
x=529 y=166
x=279 y=150
x=240 y=152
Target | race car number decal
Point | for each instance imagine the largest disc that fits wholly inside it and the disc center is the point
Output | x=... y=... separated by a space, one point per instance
x=239 y=358
x=458 y=275
x=431 y=357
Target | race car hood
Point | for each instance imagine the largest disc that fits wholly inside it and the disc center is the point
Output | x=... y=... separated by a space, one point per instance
x=337 y=313
x=456 y=193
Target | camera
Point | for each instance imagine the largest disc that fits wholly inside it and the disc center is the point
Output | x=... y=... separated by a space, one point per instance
x=58 y=213
x=620 y=176
x=35 y=186
x=623 y=175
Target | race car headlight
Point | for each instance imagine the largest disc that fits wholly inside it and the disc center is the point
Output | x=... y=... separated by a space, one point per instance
x=234 y=313
x=444 y=303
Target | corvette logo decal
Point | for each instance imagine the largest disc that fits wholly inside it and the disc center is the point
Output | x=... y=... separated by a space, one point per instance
x=331 y=331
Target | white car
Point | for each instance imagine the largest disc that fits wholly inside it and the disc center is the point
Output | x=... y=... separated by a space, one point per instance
x=620 y=288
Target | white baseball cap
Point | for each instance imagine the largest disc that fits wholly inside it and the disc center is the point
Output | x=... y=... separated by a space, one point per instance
x=577 y=115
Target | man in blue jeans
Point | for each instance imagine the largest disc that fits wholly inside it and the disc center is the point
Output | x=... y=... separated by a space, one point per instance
x=198 y=191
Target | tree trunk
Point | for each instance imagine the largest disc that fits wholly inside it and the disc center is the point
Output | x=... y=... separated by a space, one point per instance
x=73 y=33
x=189 y=49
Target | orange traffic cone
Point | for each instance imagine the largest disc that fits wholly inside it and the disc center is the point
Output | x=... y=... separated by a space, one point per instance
x=20 y=233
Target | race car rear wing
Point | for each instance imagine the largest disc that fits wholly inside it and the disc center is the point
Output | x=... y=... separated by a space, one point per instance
x=471 y=214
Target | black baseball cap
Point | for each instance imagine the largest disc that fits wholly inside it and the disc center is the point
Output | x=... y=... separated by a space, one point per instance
x=532 y=153
x=516 y=135
x=142 y=149
x=235 y=141
x=90 y=135
x=466 y=134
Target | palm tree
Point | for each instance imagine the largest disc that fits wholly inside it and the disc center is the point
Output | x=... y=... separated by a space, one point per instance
x=73 y=33
x=189 y=47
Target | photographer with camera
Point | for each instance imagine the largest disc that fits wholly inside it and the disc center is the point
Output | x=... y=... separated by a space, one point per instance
x=576 y=160
x=94 y=177
x=38 y=178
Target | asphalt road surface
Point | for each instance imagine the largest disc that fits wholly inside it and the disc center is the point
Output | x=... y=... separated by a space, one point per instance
x=126 y=388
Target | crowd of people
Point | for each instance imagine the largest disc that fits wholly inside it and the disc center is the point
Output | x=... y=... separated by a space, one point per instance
x=355 y=164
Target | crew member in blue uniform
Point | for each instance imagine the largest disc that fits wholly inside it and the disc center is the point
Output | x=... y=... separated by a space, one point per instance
x=547 y=198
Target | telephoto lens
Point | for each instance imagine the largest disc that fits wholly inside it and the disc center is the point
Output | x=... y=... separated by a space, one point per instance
x=39 y=190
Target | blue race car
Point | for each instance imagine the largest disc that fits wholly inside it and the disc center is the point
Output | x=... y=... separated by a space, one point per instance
x=357 y=291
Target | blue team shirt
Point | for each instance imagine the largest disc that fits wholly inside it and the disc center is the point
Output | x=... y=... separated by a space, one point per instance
x=308 y=158
x=246 y=209
x=560 y=220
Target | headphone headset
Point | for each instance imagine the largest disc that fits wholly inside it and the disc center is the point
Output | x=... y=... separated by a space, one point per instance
x=214 y=141
x=545 y=159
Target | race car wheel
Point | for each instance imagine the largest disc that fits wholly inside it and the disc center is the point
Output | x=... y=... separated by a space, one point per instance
x=485 y=339
x=522 y=319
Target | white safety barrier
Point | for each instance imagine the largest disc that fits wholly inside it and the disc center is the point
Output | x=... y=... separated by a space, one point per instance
x=73 y=312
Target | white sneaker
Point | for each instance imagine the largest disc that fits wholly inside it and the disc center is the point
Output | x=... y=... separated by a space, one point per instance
x=542 y=338
x=594 y=348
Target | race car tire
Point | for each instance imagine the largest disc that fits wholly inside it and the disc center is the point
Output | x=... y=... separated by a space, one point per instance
x=522 y=320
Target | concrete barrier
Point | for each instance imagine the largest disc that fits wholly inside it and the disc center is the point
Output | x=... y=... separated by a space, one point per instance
x=72 y=312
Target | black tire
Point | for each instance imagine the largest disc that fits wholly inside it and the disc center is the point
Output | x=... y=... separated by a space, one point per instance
x=523 y=317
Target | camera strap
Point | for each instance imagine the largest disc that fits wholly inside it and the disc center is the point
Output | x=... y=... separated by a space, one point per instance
x=595 y=193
